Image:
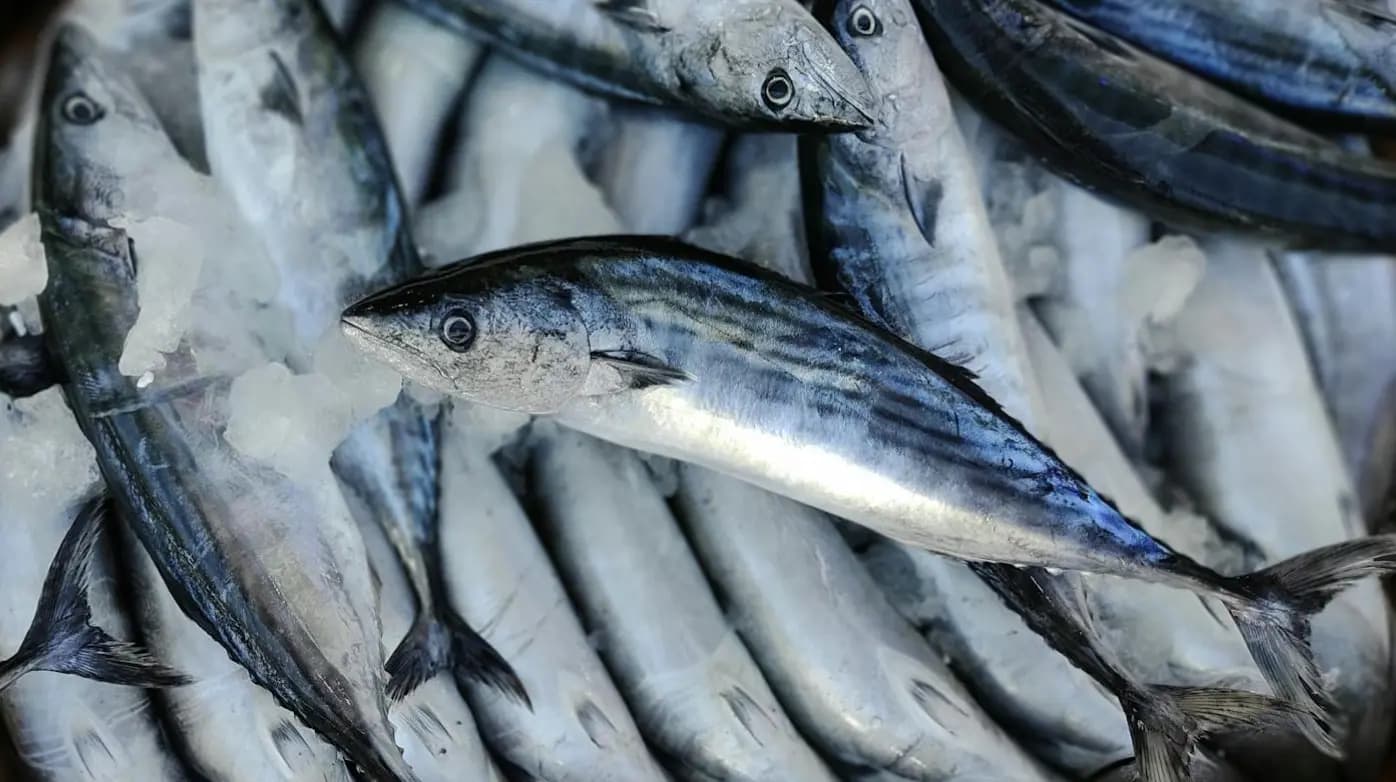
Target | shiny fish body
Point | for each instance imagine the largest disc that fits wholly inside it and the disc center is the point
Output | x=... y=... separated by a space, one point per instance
x=272 y=569
x=64 y=727
x=1244 y=388
x=1319 y=58
x=292 y=135
x=715 y=59
x=435 y=728
x=579 y=729
x=897 y=221
x=852 y=673
x=1118 y=120
x=690 y=682
x=414 y=70
x=1346 y=307
x=222 y=702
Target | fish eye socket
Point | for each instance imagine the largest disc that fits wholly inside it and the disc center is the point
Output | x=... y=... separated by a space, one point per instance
x=864 y=22
x=778 y=90
x=458 y=330
x=79 y=109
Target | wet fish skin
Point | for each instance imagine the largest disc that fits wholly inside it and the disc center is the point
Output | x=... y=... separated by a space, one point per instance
x=278 y=92
x=579 y=729
x=714 y=59
x=232 y=539
x=731 y=368
x=1119 y=121
x=1296 y=56
x=693 y=687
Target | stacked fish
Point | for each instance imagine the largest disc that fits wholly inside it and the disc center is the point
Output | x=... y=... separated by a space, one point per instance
x=799 y=413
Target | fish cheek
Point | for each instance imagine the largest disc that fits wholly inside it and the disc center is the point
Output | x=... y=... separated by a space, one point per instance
x=527 y=366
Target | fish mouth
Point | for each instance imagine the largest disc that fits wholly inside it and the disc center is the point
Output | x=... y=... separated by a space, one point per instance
x=853 y=111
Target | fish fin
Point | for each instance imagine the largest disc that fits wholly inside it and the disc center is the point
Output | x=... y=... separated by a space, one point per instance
x=1368 y=14
x=924 y=201
x=632 y=13
x=61 y=636
x=639 y=370
x=424 y=652
x=476 y=660
x=280 y=95
x=1219 y=710
x=1272 y=608
x=26 y=368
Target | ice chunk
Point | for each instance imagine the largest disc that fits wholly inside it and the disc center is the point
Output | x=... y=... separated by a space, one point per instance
x=490 y=428
x=171 y=256
x=49 y=463
x=23 y=265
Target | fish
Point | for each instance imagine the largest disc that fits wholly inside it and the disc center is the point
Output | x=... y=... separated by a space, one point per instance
x=272 y=569
x=697 y=695
x=652 y=150
x=278 y=92
x=741 y=63
x=1240 y=349
x=580 y=729
x=740 y=371
x=222 y=701
x=760 y=215
x=414 y=70
x=1119 y=121
x=65 y=727
x=26 y=368
x=1311 y=59
x=1345 y=306
x=434 y=725
x=856 y=677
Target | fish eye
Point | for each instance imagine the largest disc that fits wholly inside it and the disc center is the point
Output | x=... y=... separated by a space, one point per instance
x=81 y=110
x=458 y=330
x=864 y=22
x=778 y=90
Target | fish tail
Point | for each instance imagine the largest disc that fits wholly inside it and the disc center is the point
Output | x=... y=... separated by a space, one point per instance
x=476 y=660
x=423 y=653
x=26 y=368
x=1166 y=724
x=61 y=636
x=1272 y=608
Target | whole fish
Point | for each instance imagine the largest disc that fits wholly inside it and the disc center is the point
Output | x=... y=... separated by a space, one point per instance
x=414 y=70
x=64 y=727
x=579 y=729
x=1345 y=306
x=292 y=136
x=228 y=728
x=652 y=150
x=692 y=685
x=748 y=374
x=855 y=676
x=272 y=569
x=743 y=63
x=1242 y=388
x=434 y=726
x=897 y=222
x=1120 y=121
x=760 y=217
x=1312 y=57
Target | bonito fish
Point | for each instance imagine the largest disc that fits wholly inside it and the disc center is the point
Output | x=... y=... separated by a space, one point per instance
x=746 y=63
x=748 y=374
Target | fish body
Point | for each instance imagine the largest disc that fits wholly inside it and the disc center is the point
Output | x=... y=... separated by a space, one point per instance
x=1128 y=125
x=271 y=568
x=1244 y=387
x=734 y=369
x=292 y=134
x=744 y=63
x=579 y=729
x=64 y=727
x=1317 y=58
x=693 y=687
x=414 y=70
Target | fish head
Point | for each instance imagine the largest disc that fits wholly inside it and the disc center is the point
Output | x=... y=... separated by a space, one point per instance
x=96 y=131
x=504 y=336
x=770 y=65
x=883 y=38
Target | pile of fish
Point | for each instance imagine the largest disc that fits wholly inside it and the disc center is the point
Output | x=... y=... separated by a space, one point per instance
x=929 y=390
